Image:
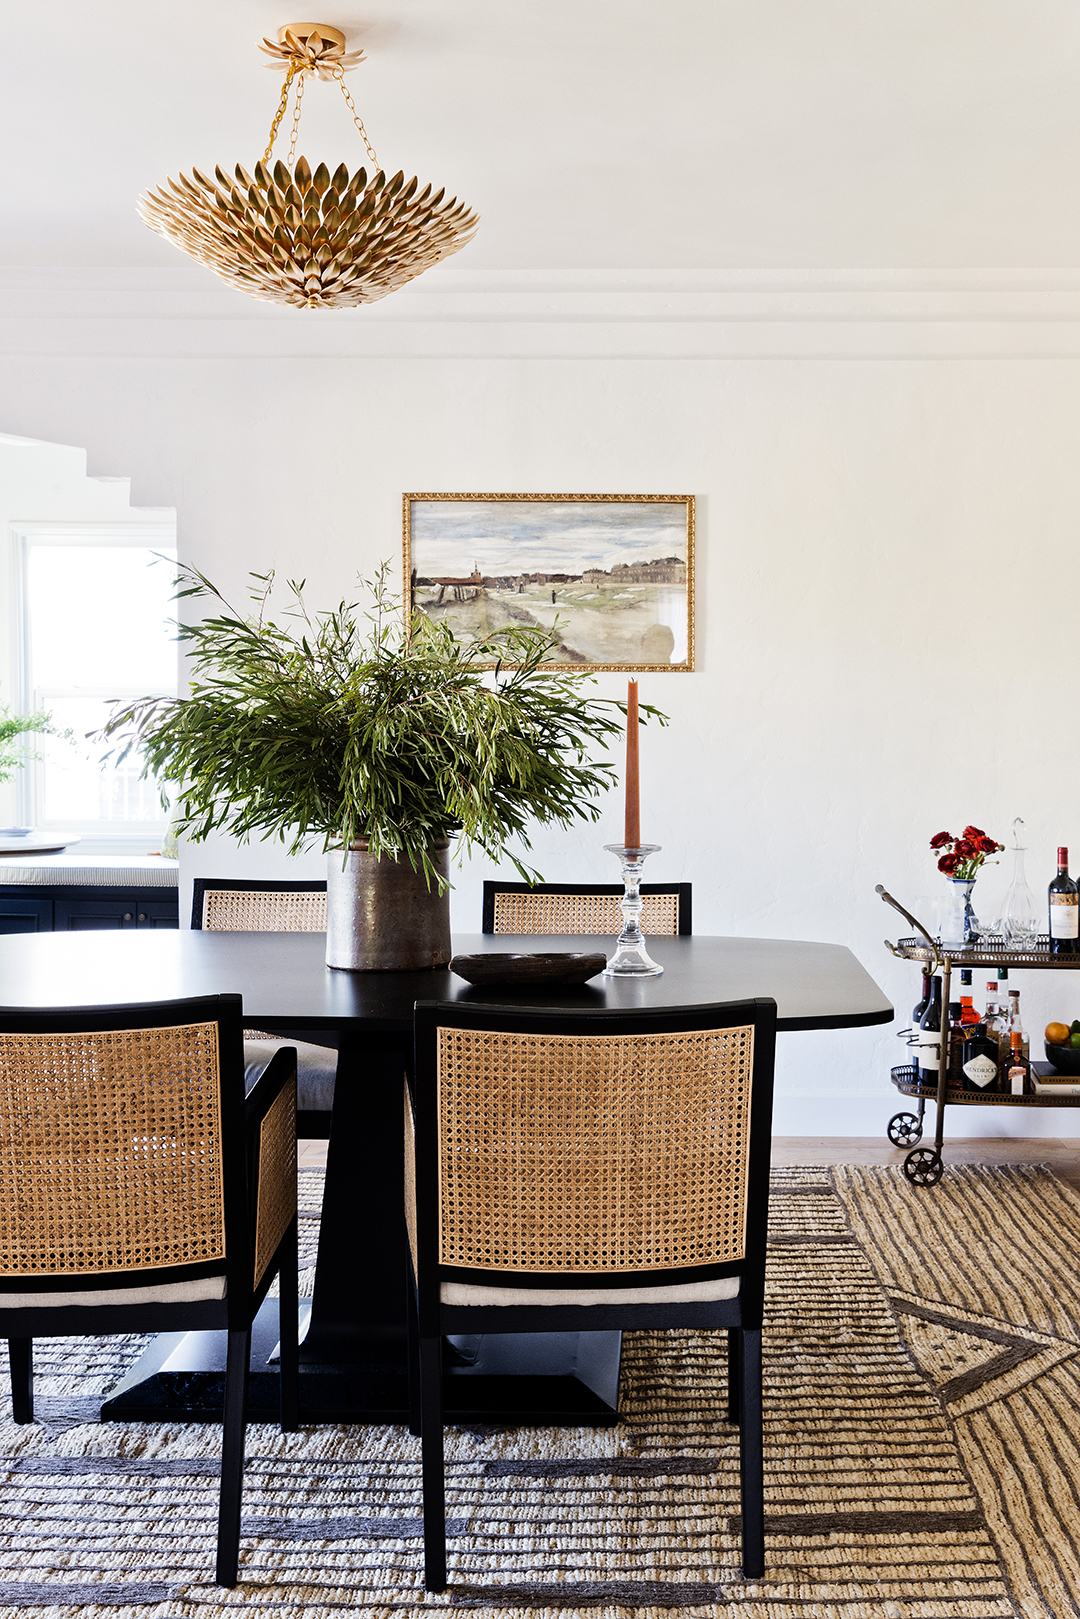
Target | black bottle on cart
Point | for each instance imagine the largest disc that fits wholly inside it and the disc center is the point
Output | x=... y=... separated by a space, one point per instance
x=980 y=1064
x=916 y=1018
x=929 y=1051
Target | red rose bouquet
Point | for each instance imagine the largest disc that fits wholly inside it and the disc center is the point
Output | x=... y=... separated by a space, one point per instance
x=963 y=855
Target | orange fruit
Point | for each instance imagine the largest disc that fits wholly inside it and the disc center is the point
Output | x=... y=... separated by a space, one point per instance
x=1057 y=1034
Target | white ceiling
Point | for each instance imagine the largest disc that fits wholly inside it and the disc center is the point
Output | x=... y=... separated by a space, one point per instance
x=684 y=134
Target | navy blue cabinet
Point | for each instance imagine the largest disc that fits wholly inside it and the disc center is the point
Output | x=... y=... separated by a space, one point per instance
x=25 y=910
x=74 y=909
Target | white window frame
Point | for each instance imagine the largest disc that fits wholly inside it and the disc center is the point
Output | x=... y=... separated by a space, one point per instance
x=153 y=533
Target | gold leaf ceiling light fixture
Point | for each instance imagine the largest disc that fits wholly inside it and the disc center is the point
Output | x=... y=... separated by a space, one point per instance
x=312 y=240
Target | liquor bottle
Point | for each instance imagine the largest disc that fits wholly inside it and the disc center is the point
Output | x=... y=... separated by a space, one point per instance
x=980 y=1066
x=1064 y=910
x=994 y=1018
x=1015 y=1025
x=1018 y=1077
x=968 y=1015
x=929 y=1050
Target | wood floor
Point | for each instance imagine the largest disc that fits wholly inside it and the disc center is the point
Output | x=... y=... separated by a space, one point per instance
x=1062 y=1153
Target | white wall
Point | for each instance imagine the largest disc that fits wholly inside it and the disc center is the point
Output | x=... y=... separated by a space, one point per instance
x=886 y=562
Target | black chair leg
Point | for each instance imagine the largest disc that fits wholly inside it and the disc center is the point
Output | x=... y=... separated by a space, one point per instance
x=21 y=1361
x=288 y=1329
x=734 y=1375
x=431 y=1449
x=751 y=1459
x=414 y=1353
x=232 y=1455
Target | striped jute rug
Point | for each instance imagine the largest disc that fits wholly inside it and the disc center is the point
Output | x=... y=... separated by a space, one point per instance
x=922 y=1394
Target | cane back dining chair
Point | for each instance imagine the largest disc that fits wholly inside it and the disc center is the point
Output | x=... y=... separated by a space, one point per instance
x=141 y=1191
x=588 y=1172
x=583 y=908
x=243 y=905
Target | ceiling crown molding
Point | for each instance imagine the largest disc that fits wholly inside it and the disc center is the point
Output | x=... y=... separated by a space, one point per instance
x=139 y=311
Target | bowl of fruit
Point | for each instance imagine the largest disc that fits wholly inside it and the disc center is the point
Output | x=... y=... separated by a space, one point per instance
x=1063 y=1046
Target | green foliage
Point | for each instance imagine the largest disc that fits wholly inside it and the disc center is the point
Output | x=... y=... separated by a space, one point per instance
x=346 y=726
x=13 y=726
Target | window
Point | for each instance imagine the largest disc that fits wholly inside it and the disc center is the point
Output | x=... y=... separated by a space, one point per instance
x=97 y=624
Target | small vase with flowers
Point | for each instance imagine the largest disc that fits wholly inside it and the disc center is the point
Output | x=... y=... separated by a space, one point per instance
x=960 y=860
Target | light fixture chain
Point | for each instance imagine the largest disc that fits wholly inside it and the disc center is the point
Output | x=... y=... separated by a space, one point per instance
x=296 y=119
x=279 y=115
x=339 y=75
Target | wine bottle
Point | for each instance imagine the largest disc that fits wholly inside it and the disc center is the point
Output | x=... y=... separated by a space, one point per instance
x=956 y=1044
x=916 y=1018
x=980 y=1066
x=1064 y=910
x=929 y=1050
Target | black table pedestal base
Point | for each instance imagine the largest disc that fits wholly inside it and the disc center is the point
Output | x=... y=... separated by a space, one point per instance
x=559 y=1379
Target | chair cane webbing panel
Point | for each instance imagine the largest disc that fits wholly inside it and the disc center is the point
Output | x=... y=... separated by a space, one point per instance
x=277 y=1177
x=593 y=1153
x=110 y=1151
x=257 y=910
x=582 y=913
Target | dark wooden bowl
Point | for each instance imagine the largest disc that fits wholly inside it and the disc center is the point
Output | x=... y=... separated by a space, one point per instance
x=1066 y=1059
x=548 y=967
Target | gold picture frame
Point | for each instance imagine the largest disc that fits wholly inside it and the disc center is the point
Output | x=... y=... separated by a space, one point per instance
x=634 y=614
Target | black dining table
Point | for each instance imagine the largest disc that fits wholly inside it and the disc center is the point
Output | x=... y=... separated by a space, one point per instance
x=353 y=1357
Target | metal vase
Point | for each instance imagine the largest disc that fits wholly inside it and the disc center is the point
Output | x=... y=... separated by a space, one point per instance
x=380 y=914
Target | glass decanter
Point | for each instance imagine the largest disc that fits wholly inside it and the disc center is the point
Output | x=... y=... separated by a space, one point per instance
x=1019 y=913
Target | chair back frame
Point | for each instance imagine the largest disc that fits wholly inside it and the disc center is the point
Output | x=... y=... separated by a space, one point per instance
x=204 y=885
x=430 y=1017
x=239 y=1176
x=493 y=888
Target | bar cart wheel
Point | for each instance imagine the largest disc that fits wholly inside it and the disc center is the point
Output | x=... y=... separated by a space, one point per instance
x=904 y=1129
x=924 y=1167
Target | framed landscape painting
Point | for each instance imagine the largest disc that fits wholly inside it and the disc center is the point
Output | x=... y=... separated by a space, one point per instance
x=611 y=575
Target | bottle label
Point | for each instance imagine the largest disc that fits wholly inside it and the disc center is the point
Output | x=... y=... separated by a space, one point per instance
x=1064 y=916
x=929 y=1054
x=1016 y=1081
x=981 y=1070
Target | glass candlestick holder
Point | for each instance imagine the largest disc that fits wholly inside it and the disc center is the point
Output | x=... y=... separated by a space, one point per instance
x=631 y=959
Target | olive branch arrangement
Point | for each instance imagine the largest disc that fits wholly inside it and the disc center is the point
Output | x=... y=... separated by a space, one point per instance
x=341 y=726
x=12 y=727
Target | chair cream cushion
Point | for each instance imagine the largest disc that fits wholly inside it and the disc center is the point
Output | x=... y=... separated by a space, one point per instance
x=316 y=1070
x=464 y=1293
x=206 y=1287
